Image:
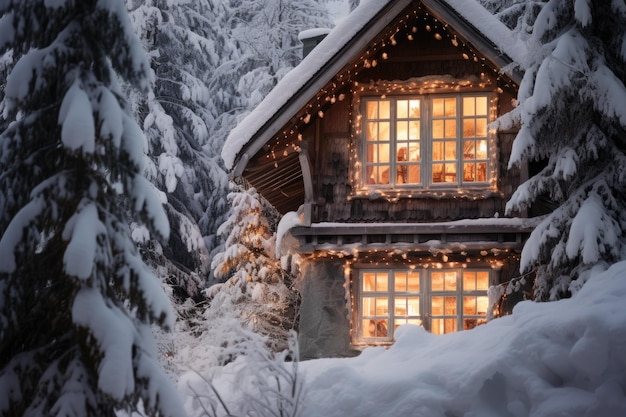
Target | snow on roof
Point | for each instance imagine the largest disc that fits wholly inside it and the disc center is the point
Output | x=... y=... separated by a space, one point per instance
x=492 y=28
x=313 y=33
x=290 y=84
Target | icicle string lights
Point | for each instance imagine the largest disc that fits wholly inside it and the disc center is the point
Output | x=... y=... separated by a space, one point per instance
x=407 y=25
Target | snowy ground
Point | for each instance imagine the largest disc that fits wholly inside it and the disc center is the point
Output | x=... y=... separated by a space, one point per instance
x=565 y=358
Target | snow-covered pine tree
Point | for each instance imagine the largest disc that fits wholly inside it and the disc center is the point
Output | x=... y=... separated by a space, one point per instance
x=519 y=15
x=572 y=110
x=76 y=300
x=267 y=31
x=256 y=285
x=175 y=115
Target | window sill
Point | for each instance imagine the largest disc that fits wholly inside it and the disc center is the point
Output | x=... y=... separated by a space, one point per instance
x=392 y=195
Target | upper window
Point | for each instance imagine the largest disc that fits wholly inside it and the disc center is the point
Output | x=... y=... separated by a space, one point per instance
x=443 y=301
x=426 y=141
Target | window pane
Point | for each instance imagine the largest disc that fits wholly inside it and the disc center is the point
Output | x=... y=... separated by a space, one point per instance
x=450 y=280
x=450 y=128
x=441 y=326
x=437 y=281
x=436 y=305
x=400 y=307
x=383 y=109
x=450 y=105
x=400 y=281
x=438 y=107
x=402 y=109
x=482 y=149
x=374 y=328
x=371 y=133
x=414 y=106
x=481 y=172
x=369 y=281
x=482 y=305
x=383 y=152
x=414 y=174
x=469 y=149
x=372 y=110
x=383 y=131
x=450 y=173
x=469 y=172
x=469 y=323
x=450 y=306
x=416 y=322
x=450 y=325
x=382 y=281
x=402 y=130
x=413 y=306
x=382 y=307
x=469 y=281
x=401 y=155
x=414 y=130
x=437 y=172
x=469 y=305
x=438 y=151
x=481 y=106
x=481 y=127
x=450 y=150
x=482 y=280
x=369 y=306
x=436 y=326
x=469 y=130
x=438 y=126
x=469 y=107
x=414 y=281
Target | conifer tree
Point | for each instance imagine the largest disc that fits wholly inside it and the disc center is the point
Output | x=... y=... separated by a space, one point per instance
x=76 y=300
x=256 y=284
x=572 y=110
x=176 y=115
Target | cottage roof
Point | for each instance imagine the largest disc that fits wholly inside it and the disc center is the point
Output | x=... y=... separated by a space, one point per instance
x=487 y=34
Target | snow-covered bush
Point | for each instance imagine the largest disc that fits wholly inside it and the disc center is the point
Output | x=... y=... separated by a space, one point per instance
x=262 y=383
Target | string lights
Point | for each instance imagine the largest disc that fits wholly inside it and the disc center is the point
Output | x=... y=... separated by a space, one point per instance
x=382 y=48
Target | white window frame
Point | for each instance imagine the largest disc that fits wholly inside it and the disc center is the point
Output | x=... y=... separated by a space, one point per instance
x=426 y=145
x=425 y=294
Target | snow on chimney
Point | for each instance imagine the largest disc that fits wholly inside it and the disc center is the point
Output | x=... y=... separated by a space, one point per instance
x=310 y=38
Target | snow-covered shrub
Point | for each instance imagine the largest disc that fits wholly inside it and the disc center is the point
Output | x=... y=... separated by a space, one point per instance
x=259 y=382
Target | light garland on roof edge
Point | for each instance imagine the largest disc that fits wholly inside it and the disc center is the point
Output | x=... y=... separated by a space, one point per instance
x=288 y=141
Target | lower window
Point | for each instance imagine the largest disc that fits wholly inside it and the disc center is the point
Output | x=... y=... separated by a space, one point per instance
x=442 y=300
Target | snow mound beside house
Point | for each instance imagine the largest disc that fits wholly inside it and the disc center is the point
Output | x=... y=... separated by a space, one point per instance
x=563 y=358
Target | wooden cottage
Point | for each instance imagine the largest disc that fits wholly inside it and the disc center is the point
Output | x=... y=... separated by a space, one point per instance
x=381 y=141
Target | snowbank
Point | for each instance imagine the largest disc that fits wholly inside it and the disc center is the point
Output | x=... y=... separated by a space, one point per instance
x=563 y=358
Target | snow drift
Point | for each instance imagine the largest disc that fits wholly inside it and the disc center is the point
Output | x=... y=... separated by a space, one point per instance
x=563 y=358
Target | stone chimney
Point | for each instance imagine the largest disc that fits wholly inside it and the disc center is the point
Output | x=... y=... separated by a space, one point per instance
x=311 y=38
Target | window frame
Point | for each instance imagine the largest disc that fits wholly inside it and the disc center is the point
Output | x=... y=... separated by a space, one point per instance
x=426 y=184
x=425 y=294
